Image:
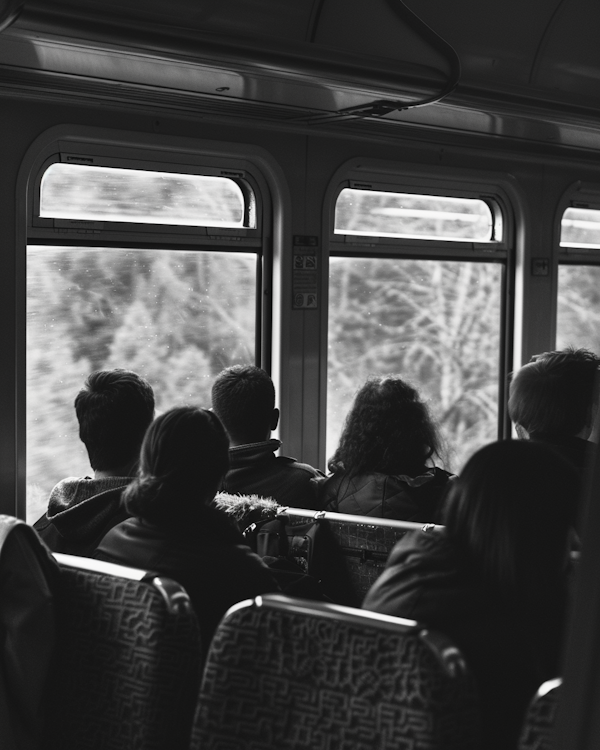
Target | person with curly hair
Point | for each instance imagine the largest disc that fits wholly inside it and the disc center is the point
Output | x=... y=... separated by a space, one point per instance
x=382 y=464
x=174 y=530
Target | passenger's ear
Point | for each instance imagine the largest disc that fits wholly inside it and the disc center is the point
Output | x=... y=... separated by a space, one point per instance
x=275 y=419
x=521 y=432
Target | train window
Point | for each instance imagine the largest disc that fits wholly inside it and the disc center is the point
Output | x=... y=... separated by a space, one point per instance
x=139 y=262
x=100 y=193
x=578 y=303
x=578 y=311
x=580 y=227
x=435 y=322
x=174 y=316
x=378 y=213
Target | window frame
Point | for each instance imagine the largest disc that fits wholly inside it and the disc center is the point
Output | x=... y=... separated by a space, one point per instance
x=578 y=195
x=495 y=189
x=41 y=229
x=340 y=244
x=158 y=152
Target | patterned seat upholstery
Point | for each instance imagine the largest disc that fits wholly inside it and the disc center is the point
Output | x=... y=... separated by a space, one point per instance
x=128 y=663
x=539 y=722
x=284 y=673
x=360 y=547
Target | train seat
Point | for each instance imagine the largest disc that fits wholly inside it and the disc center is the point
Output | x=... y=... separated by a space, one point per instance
x=128 y=660
x=28 y=576
x=283 y=673
x=541 y=716
x=357 y=549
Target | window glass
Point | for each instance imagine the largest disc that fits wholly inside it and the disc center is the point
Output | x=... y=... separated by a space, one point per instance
x=578 y=313
x=175 y=317
x=75 y=191
x=580 y=227
x=426 y=217
x=434 y=323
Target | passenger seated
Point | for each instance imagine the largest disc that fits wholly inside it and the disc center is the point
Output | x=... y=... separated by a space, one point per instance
x=114 y=409
x=495 y=580
x=174 y=531
x=244 y=400
x=554 y=399
x=380 y=466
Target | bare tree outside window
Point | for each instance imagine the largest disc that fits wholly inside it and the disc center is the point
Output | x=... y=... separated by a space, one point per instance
x=435 y=323
x=578 y=315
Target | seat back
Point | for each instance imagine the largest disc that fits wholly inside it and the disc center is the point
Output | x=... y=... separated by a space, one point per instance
x=28 y=577
x=128 y=663
x=539 y=723
x=358 y=548
x=284 y=673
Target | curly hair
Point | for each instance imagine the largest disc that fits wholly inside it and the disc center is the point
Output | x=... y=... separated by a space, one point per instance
x=388 y=430
x=184 y=456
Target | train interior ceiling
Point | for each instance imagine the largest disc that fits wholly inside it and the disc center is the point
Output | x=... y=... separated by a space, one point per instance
x=295 y=105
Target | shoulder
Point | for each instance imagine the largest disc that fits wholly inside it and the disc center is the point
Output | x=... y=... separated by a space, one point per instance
x=422 y=575
x=292 y=464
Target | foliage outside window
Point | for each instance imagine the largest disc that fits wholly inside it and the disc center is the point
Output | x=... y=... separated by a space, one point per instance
x=578 y=314
x=79 y=192
x=434 y=323
x=175 y=317
x=383 y=214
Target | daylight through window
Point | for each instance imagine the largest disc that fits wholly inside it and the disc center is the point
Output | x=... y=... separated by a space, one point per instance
x=428 y=217
x=94 y=193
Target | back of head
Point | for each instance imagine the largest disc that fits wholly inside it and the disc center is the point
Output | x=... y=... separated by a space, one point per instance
x=553 y=396
x=243 y=397
x=114 y=409
x=388 y=430
x=511 y=511
x=184 y=457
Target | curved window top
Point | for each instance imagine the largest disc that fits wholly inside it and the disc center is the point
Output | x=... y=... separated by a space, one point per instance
x=427 y=217
x=580 y=227
x=95 y=193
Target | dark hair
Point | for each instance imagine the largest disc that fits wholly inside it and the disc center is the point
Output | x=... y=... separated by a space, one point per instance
x=553 y=395
x=511 y=511
x=388 y=430
x=114 y=409
x=243 y=397
x=184 y=457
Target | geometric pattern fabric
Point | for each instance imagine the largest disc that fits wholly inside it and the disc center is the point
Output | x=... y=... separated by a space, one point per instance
x=538 y=729
x=285 y=674
x=127 y=670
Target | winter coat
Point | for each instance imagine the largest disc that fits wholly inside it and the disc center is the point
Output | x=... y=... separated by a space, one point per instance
x=204 y=553
x=80 y=512
x=254 y=469
x=400 y=497
x=511 y=643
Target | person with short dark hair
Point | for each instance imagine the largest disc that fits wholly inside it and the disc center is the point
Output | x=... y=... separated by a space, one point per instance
x=380 y=467
x=243 y=397
x=495 y=579
x=553 y=399
x=114 y=409
x=174 y=530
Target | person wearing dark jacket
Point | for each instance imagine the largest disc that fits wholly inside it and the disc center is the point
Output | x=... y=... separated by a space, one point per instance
x=173 y=530
x=380 y=466
x=114 y=409
x=243 y=397
x=495 y=579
